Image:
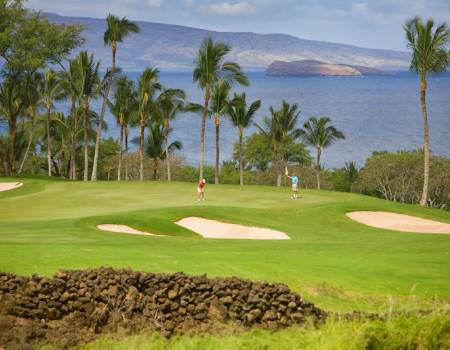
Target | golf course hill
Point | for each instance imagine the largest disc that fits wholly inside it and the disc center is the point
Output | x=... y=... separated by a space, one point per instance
x=314 y=67
x=230 y=269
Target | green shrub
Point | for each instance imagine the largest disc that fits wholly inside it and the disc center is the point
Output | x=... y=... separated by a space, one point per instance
x=399 y=177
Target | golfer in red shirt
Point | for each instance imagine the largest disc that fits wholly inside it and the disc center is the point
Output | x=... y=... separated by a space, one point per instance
x=201 y=190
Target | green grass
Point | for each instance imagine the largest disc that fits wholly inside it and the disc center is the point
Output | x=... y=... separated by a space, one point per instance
x=341 y=265
x=402 y=332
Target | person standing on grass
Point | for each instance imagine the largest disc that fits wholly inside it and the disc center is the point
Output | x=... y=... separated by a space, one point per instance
x=294 y=185
x=201 y=190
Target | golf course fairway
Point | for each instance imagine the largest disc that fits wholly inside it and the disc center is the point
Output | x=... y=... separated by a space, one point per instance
x=341 y=265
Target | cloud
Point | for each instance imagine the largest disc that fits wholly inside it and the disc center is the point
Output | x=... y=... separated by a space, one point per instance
x=154 y=3
x=230 y=9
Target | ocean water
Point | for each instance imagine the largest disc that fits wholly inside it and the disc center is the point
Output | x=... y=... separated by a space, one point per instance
x=374 y=112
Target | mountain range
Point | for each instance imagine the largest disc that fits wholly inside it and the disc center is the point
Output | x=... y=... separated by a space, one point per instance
x=171 y=46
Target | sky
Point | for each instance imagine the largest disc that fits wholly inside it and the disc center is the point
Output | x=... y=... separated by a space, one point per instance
x=366 y=23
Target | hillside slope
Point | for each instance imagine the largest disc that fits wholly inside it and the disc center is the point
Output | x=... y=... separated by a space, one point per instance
x=173 y=46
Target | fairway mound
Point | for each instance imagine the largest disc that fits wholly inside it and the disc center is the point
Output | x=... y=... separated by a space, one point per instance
x=124 y=229
x=399 y=222
x=6 y=186
x=74 y=307
x=216 y=229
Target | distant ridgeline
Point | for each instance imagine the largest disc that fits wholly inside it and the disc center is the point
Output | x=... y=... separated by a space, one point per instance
x=314 y=67
x=170 y=46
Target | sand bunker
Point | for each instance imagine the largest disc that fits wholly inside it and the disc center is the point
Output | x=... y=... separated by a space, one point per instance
x=6 y=186
x=216 y=229
x=399 y=222
x=123 y=229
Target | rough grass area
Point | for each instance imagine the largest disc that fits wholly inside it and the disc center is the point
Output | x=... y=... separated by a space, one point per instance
x=339 y=264
x=399 y=332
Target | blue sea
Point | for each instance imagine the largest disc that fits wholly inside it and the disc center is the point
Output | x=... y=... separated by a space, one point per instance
x=375 y=112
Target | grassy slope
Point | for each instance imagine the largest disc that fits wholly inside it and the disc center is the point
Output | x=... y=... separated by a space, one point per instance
x=340 y=264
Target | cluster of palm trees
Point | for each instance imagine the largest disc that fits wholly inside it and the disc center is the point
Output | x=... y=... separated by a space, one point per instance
x=80 y=82
x=216 y=76
x=147 y=105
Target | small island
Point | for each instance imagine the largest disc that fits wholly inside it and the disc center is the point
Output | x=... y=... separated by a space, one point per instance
x=314 y=67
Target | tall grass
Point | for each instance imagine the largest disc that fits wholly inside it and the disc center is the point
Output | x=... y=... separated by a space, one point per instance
x=408 y=331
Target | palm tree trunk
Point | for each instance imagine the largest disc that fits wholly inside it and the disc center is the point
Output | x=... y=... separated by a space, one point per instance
x=12 y=128
x=166 y=145
x=119 y=167
x=62 y=158
x=216 y=173
x=241 y=160
x=278 y=164
x=155 y=168
x=318 y=167
x=98 y=139
x=279 y=174
x=4 y=161
x=141 y=148
x=85 y=141
x=30 y=141
x=202 y=133
x=426 y=143
x=126 y=152
x=49 y=153
x=73 y=155
x=102 y=116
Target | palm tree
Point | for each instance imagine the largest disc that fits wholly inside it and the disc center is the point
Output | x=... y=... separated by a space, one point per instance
x=320 y=134
x=219 y=100
x=33 y=98
x=89 y=88
x=280 y=130
x=12 y=104
x=156 y=148
x=123 y=107
x=429 y=55
x=147 y=86
x=241 y=116
x=209 y=68
x=351 y=173
x=116 y=32
x=51 y=90
x=60 y=132
x=71 y=83
x=169 y=104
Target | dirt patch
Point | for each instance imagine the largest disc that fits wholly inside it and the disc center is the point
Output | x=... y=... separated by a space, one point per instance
x=6 y=186
x=124 y=229
x=39 y=309
x=216 y=229
x=399 y=222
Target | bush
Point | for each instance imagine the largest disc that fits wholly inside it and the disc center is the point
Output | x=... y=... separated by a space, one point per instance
x=399 y=177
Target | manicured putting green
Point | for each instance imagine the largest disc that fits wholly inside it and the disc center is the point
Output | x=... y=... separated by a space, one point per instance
x=47 y=225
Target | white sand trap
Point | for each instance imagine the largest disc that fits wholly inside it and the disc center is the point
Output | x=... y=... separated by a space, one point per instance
x=399 y=222
x=6 y=186
x=123 y=229
x=216 y=229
